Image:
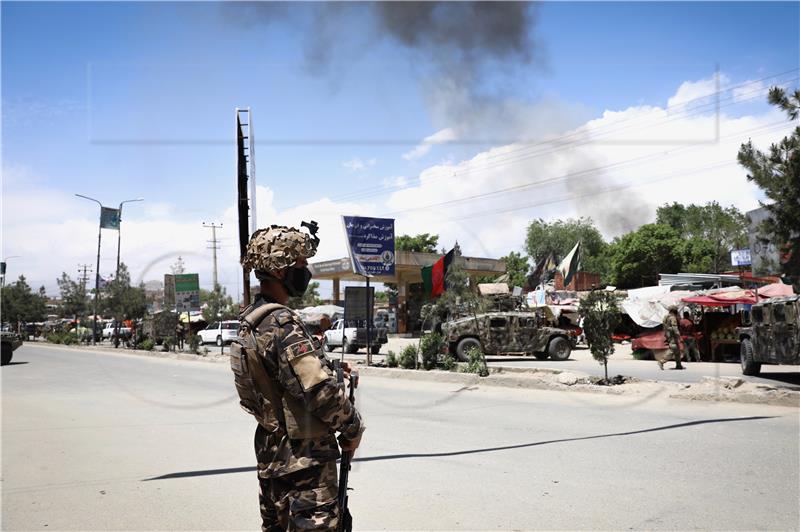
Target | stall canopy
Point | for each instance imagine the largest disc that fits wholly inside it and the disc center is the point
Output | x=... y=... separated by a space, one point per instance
x=648 y=306
x=738 y=296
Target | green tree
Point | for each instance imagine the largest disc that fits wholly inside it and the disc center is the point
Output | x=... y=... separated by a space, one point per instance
x=217 y=305
x=20 y=303
x=714 y=229
x=560 y=236
x=517 y=268
x=122 y=300
x=639 y=256
x=422 y=243
x=777 y=174
x=73 y=297
x=309 y=299
x=600 y=317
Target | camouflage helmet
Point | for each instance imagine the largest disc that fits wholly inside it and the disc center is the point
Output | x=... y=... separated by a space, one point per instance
x=672 y=308
x=278 y=247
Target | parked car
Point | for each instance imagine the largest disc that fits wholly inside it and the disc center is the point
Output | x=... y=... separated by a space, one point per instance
x=110 y=328
x=219 y=332
x=351 y=339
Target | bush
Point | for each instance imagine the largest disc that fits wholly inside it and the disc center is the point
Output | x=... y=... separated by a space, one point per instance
x=69 y=339
x=391 y=360
x=55 y=338
x=408 y=357
x=430 y=345
x=448 y=363
x=148 y=344
x=166 y=344
x=476 y=363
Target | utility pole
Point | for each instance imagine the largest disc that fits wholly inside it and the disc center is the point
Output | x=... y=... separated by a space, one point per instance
x=214 y=247
x=84 y=270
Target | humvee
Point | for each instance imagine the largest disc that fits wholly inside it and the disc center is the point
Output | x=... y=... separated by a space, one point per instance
x=10 y=342
x=514 y=332
x=772 y=336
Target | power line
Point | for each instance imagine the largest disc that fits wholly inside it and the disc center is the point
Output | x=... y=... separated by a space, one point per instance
x=566 y=145
x=523 y=153
x=562 y=177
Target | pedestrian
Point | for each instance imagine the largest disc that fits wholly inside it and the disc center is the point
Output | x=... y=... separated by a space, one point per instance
x=686 y=326
x=180 y=333
x=672 y=336
x=285 y=381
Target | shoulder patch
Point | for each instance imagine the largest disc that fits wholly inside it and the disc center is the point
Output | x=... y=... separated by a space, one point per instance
x=300 y=348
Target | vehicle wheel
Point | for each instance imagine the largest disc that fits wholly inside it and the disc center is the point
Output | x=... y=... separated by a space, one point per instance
x=7 y=354
x=349 y=348
x=749 y=367
x=375 y=349
x=464 y=345
x=541 y=356
x=219 y=341
x=559 y=348
x=328 y=346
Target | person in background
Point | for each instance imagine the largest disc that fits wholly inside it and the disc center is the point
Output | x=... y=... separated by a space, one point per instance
x=686 y=327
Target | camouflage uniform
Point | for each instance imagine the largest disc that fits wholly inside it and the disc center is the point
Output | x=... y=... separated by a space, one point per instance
x=297 y=476
x=672 y=336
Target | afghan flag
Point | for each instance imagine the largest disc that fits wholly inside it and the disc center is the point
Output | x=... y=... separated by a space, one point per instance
x=569 y=266
x=433 y=276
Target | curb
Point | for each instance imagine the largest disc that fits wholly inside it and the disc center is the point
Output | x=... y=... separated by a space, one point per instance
x=709 y=389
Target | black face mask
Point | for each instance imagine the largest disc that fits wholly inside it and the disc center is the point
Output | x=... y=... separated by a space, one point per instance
x=296 y=281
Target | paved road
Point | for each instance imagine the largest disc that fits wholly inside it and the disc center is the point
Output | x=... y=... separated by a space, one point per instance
x=94 y=441
x=623 y=363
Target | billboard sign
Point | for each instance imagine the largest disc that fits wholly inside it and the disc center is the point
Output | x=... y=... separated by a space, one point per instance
x=356 y=305
x=370 y=243
x=740 y=257
x=182 y=291
x=109 y=218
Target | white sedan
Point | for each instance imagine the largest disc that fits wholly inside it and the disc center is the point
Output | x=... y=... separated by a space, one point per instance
x=220 y=332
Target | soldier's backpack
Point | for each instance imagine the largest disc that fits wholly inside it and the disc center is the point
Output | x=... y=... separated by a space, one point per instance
x=259 y=392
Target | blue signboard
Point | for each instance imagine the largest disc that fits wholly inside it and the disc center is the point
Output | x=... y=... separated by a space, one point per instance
x=371 y=244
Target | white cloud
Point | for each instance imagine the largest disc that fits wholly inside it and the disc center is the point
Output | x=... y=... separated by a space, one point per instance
x=357 y=164
x=616 y=168
x=441 y=136
x=395 y=182
x=697 y=90
x=750 y=90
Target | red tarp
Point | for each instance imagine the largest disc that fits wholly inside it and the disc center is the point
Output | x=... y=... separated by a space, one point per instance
x=740 y=297
x=651 y=340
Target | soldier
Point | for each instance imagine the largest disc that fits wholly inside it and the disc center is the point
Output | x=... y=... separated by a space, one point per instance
x=286 y=382
x=673 y=337
x=686 y=326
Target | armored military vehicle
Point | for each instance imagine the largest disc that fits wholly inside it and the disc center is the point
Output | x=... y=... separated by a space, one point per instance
x=508 y=333
x=10 y=342
x=772 y=336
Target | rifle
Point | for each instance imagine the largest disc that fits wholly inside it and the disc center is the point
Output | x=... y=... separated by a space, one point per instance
x=345 y=519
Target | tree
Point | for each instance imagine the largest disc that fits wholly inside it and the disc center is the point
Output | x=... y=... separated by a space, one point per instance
x=73 y=297
x=714 y=229
x=217 y=305
x=422 y=243
x=122 y=300
x=560 y=236
x=639 y=256
x=777 y=174
x=20 y=304
x=309 y=299
x=516 y=268
x=600 y=317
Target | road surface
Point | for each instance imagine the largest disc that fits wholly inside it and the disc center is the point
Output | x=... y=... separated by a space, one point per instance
x=95 y=441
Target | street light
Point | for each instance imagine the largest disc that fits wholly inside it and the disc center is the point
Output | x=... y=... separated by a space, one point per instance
x=119 y=229
x=97 y=269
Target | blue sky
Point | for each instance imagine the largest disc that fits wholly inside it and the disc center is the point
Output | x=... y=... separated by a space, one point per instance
x=123 y=100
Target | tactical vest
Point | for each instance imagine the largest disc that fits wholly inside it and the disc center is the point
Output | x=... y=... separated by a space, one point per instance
x=260 y=394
